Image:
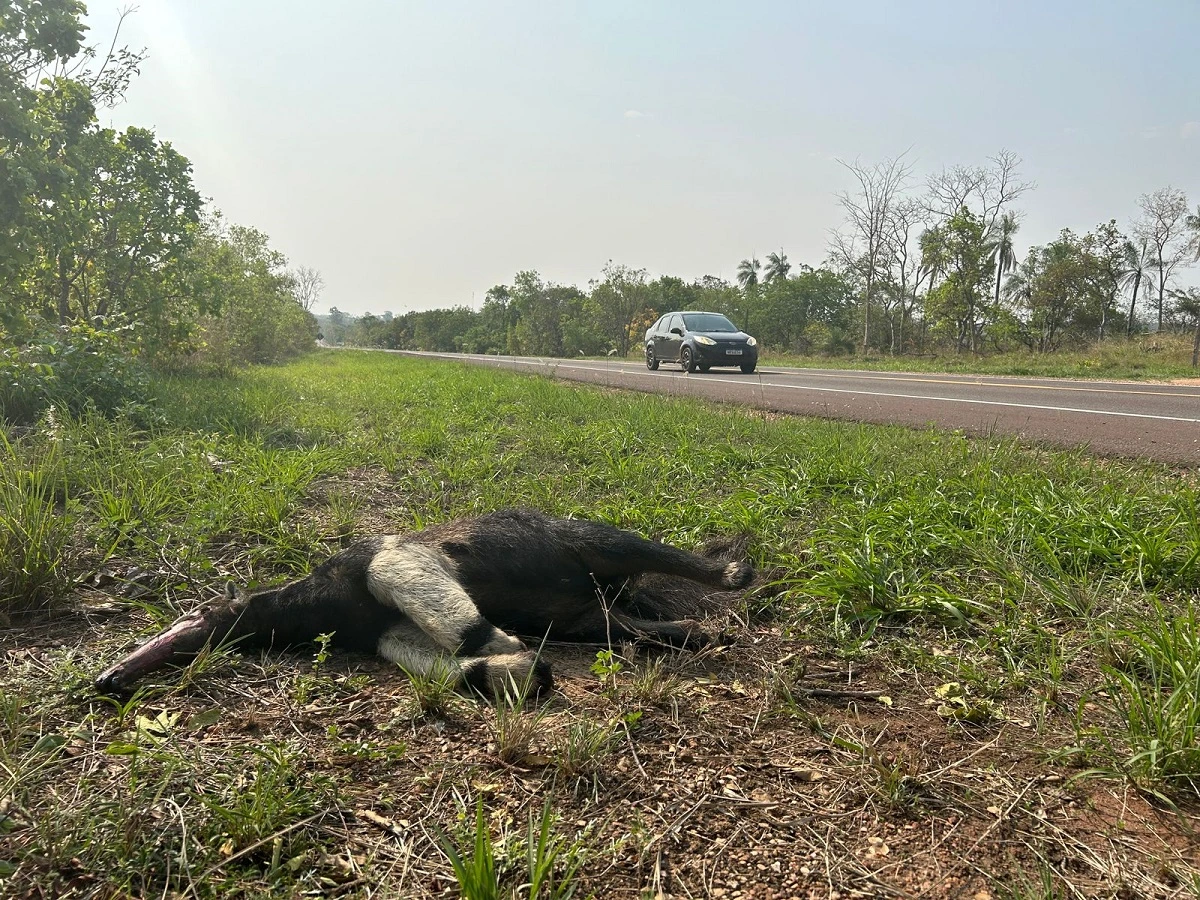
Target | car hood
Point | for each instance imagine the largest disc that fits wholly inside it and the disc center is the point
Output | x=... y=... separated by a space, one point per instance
x=722 y=335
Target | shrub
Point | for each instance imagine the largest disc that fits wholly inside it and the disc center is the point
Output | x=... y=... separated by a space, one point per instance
x=74 y=368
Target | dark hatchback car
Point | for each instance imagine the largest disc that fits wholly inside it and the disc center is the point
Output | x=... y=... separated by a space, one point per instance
x=699 y=341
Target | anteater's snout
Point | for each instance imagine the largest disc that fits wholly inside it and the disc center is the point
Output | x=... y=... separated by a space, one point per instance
x=179 y=642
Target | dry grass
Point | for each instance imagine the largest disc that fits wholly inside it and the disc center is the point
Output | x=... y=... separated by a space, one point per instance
x=733 y=787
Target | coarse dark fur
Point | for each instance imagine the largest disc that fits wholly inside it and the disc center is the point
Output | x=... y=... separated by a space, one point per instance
x=450 y=599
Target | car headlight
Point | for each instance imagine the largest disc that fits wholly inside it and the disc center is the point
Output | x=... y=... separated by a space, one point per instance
x=706 y=341
x=751 y=342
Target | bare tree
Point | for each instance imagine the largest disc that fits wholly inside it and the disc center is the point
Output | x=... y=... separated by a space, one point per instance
x=309 y=285
x=869 y=213
x=1163 y=228
x=986 y=190
x=906 y=269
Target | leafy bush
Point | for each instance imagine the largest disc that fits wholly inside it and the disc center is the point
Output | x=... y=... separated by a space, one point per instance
x=74 y=368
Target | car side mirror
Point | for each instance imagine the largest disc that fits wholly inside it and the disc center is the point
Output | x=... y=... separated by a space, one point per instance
x=678 y=331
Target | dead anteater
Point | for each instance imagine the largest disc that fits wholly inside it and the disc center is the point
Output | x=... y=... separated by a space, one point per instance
x=452 y=597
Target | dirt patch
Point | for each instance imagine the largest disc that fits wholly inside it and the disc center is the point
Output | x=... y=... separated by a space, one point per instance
x=768 y=769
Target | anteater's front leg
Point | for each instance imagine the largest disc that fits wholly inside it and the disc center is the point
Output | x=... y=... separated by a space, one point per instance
x=417 y=654
x=419 y=581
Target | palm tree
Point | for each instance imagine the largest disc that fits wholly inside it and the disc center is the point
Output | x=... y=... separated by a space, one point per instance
x=1021 y=283
x=777 y=267
x=1135 y=261
x=1193 y=224
x=747 y=274
x=1001 y=253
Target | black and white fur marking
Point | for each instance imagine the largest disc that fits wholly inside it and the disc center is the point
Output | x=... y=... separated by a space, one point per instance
x=450 y=599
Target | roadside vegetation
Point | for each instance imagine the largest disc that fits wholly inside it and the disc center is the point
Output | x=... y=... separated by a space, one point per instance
x=1151 y=357
x=969 y=665
x=110 y=262
x=915 y=271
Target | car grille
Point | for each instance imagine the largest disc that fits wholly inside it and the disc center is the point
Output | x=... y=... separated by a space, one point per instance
x=721 y=346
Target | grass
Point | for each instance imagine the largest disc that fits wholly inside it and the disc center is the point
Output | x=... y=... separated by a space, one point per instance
x=1152 y=357
x=485 y=868
x=1057 y=590
x=35 y=527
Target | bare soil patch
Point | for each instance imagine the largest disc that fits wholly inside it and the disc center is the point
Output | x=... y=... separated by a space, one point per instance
x=732 y=781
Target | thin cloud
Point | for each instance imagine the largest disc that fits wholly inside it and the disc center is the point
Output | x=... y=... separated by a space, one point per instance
x=636 y=114
x=1189 y=129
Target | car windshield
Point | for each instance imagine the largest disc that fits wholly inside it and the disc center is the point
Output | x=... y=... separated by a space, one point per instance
x=708 y=322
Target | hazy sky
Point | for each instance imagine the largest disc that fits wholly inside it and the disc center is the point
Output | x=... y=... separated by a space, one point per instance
x=419 y=153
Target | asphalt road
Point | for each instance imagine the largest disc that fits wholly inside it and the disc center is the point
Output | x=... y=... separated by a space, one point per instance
x=1112 y=418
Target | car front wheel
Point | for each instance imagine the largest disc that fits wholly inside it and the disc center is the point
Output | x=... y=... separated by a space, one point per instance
x=747 y=368
x=651 y=359
x=685 y=360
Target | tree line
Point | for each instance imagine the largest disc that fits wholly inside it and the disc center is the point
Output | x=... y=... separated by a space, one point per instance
x=908 y=271
x=108 y=253
x=803 y=310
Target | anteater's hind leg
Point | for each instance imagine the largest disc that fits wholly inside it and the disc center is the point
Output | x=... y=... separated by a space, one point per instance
x=611 y=553
x=417 y=580
x=606 y=626
x=409 y=647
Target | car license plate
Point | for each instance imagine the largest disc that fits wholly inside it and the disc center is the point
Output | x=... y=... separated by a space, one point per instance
x=733 y=352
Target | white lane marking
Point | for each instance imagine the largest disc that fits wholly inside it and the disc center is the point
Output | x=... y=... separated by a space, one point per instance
x=965 y=380
x=510 y=361
x=1071 y=409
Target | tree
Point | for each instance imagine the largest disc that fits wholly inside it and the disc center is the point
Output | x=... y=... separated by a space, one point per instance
x=617 y=303
x=1053 y=292
x=498 y=320
x=718 y=295
x=250 y=311
x=1002 y=255
x=33 y=38
x=539 y=320
x=958 y=250
x=868 y=214
x=1135 y=261
x=797 y=311
x=747 y=273
x=1108 y=250
x=1187 y=303
x=777 y=267
x=309 y=286
x=1162 y=228
x=747 y=276
x=906 y=271
x=669 y=293
x=985 y=190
